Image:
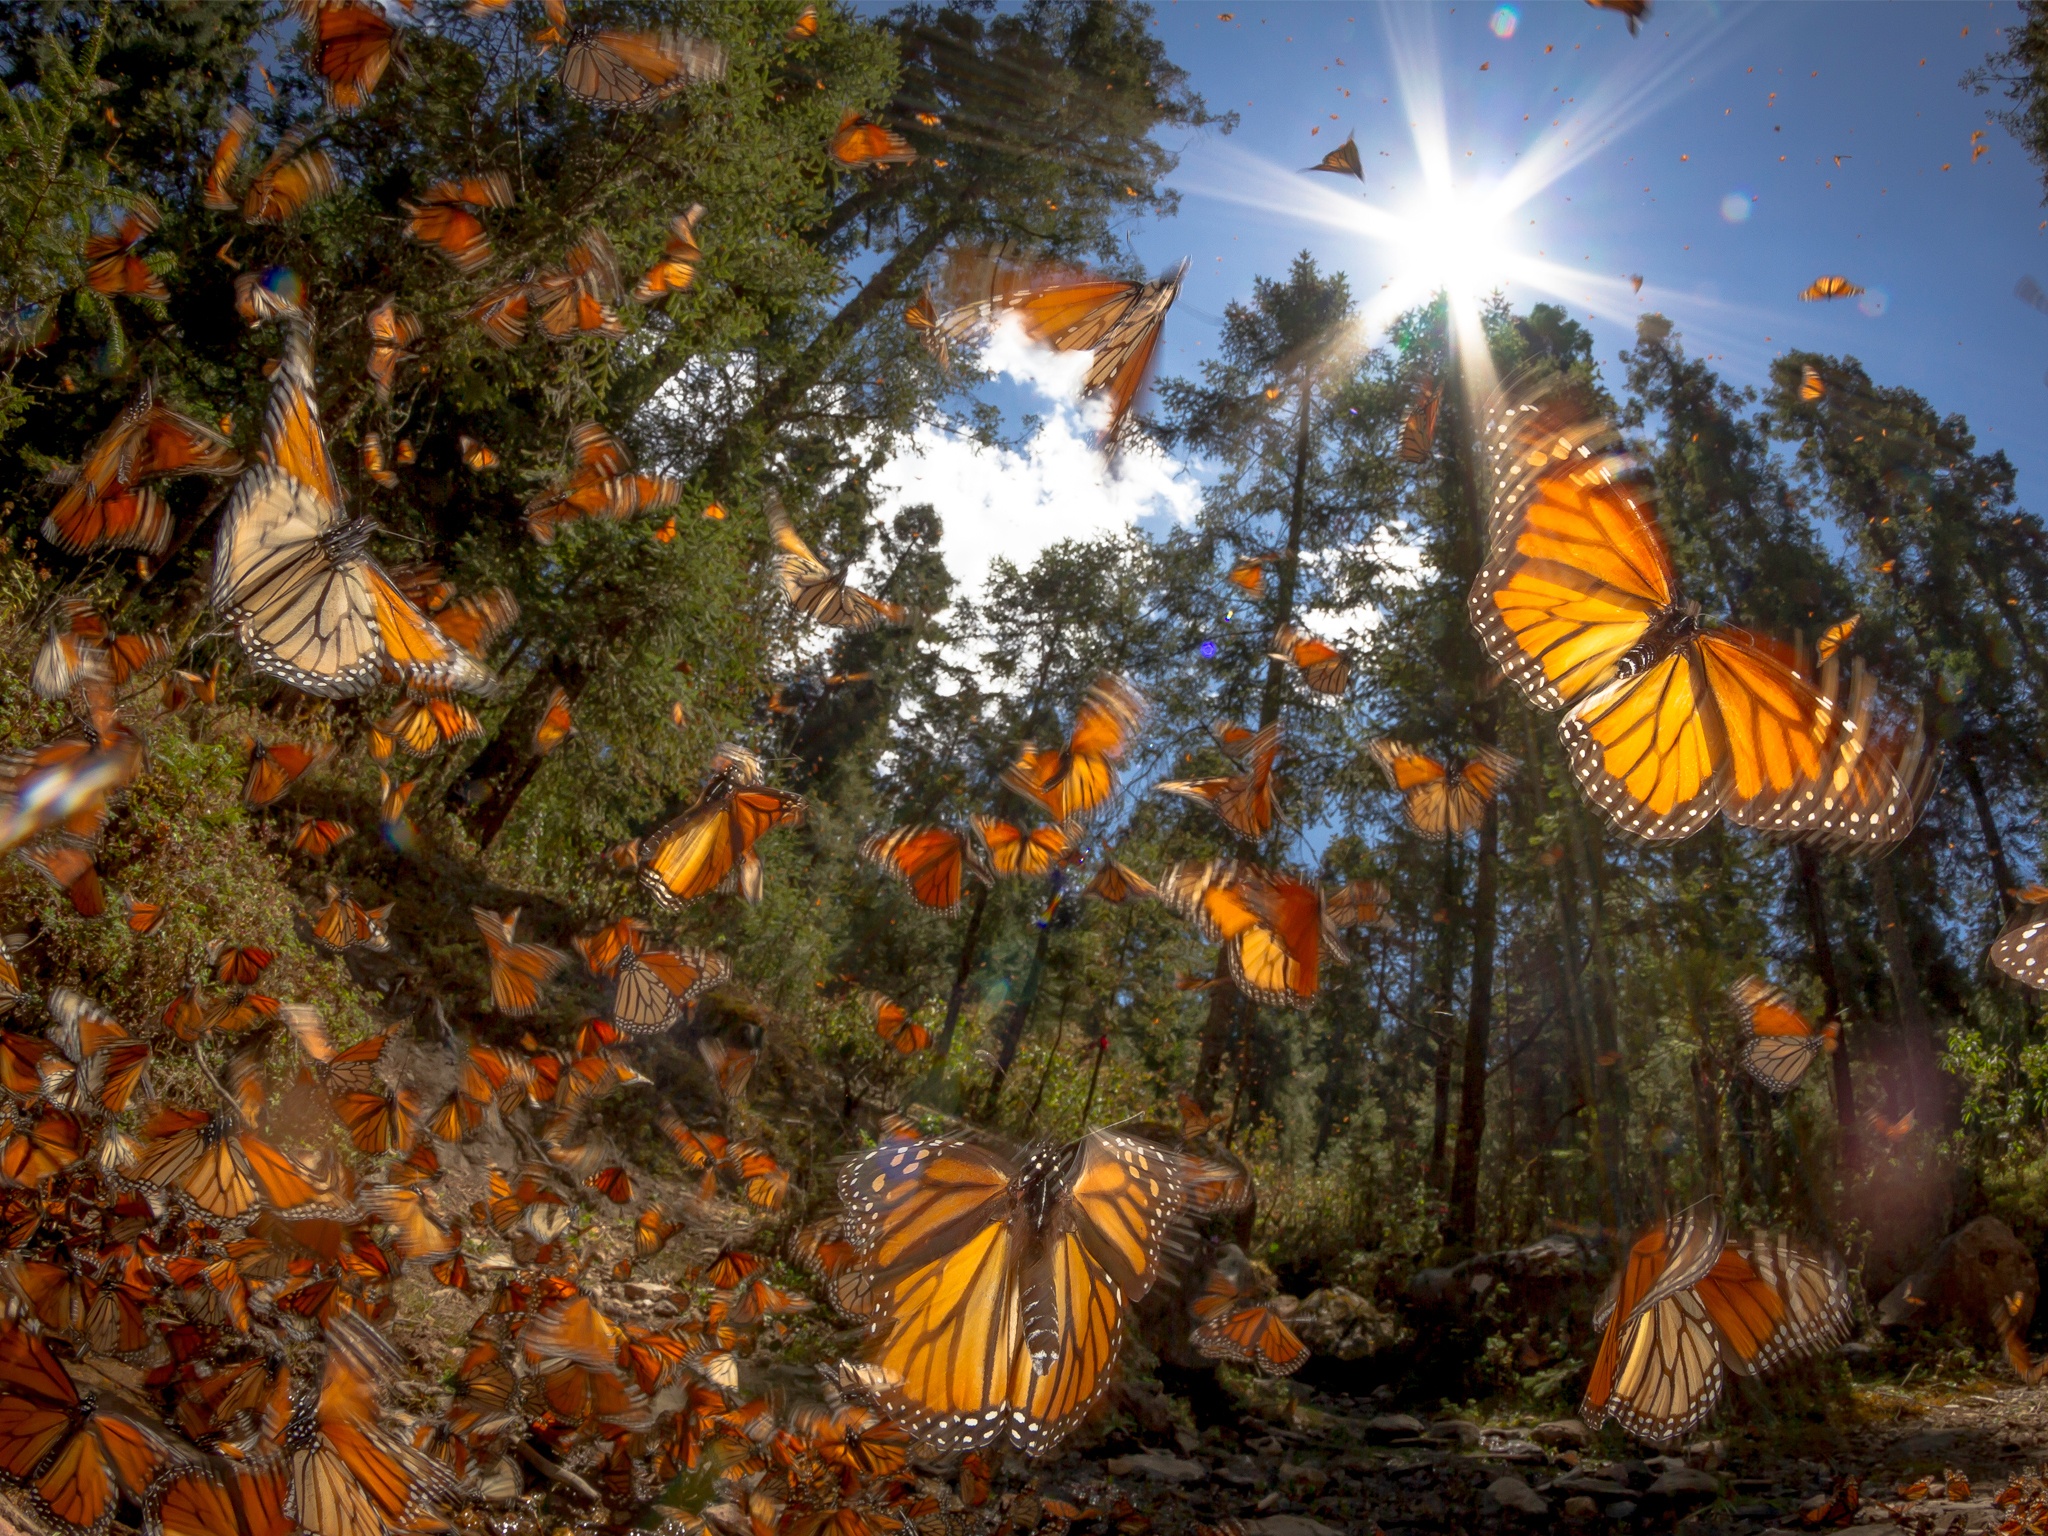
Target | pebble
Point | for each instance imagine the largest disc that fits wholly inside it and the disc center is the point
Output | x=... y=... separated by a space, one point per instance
x=1392 y=1426
x=1462 y=1431
x=1579 y=1507
x=1562 y=1435
x=1684 y=1488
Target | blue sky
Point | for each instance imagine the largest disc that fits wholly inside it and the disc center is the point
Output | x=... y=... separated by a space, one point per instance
x=1701 y=155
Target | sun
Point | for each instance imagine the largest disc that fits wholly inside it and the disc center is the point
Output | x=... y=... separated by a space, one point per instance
x=1455 y=241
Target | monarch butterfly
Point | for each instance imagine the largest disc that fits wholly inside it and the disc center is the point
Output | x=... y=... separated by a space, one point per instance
x=111 y=265
x=518 y=971
x=1443 y=801
x=895 y=1026
x=377 y=1119
x=1418 y=429
x=2020 y=950
x=1250 y=574
x=806 y=24
x=392 y=796
x=1892 y=1130
x=142 y=917
x=1275 y=928
x=1013 y=851
x=730 y=1067
x=420 y=1233
x=446 y=217
x=105 y=504
x=1667 y=720
x=699 y=1150
x=309 y=603
x=933 y=861
x=1343 y=160
x=1781 y=1044
x=239 y=965
x=601 y=483
x=763 y=1181
x=227 y=158
x=1244 y=802
x=1117 y=320
x=352 y=47
x=815 y=591
x=422 y=726
x=503 y=311
x=475 y=620
x=1117 y=883
x=370 y=456
x=603 y=950
x=1811 y=385
x=1075 y=781
x=70 y=869
x=1322 y=666
x=348 y=1477
x=710 y=846
x=1000 y=1281
x=1689 y=1306
x=677 y=267
x=269 y=294
x=1233 y=1322
x=273 y=769
x=287 y=184
x=38 y=1142
x=861 y=145
x=556 y=724
x=392 y=336
x=94 y=1455
x=655 y=986
x=652 y=1231
x=183 y=689
x=1829 y=288
x=224 y=1169
x=578 y=299
x=345 y=922
x=757 y=1299
x=1831 y=640
x=476 y=455
x=628 y=71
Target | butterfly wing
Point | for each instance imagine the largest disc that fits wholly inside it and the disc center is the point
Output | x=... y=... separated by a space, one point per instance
x=933 y=861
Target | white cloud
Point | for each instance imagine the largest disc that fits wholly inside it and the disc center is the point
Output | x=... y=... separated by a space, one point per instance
x=1002 y=503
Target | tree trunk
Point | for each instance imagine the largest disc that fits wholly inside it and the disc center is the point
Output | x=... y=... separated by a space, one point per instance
x=1216 y=1033
x=1014 y=1021
x=958 y=996
x=1994 y=845
x=1806 y=875
x=1464 y=1203
x=490 y=787
x=1915 y=1029
x=1609 y=1075
x=804 y=372
x=1446 y=995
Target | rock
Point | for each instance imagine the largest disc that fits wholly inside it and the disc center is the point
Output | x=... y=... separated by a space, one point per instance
x=1579 y=1507
x=1683 y=1488
x=1453 y=1431
x=1928 y=1445
x=1289 y=1525
x=1562 y=1435
x=1621 y=1509
x=1150 y=1410
x=1592 y=1487
x=1345 y=1325
x=1158 y=1466
x=1706 y=1455
x=1392 y=1426
x=1637 y=1474
x=1241 y=1472
x=1513 y=1494
x=1968 y=1279
x=1299 y=1479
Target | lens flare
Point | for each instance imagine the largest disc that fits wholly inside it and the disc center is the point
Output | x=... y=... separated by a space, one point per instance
x=1504 y=21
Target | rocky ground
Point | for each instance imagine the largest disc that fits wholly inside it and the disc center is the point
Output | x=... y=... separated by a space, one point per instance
x=1320 y=1464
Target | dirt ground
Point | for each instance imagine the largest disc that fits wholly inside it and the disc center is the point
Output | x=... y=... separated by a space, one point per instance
x=1328 y=1464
